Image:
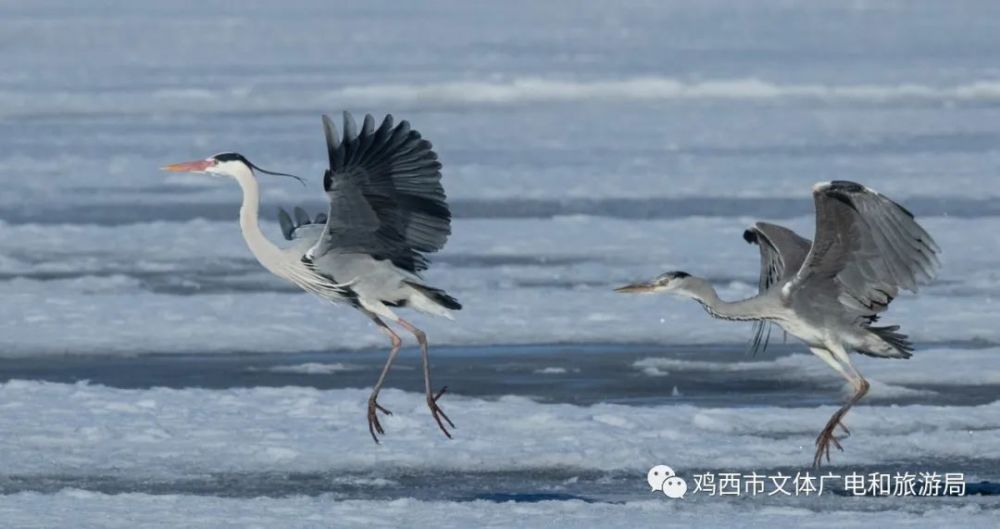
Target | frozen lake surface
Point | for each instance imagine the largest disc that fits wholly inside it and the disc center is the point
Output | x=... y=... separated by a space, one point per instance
x=154 y=375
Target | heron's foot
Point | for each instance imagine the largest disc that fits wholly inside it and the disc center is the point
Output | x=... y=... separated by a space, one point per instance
x=438 y=413
x=374 y=426
x=827 y=438
x=847 y=433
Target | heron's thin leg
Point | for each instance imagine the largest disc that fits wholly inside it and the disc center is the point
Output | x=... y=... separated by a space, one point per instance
x=838 y=358
x=828 y=357
x=432 y=398
x=374 y=427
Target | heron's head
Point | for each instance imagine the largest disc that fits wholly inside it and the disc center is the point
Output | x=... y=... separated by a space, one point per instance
x=231 y=164
x=667 y=282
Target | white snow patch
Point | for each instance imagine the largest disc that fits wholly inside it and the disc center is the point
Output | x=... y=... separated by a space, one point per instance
x=86 y=510
x=80 y=428
x=534 y=90
x=965 y=367
x=551 y=371
x=554 y=275
x=311 y=368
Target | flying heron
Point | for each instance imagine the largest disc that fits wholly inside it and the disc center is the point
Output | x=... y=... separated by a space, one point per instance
x=387 y=209
x=829 y=292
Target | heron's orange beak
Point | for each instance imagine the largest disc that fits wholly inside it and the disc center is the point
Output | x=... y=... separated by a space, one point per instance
x=635 y=288
x=195 y=166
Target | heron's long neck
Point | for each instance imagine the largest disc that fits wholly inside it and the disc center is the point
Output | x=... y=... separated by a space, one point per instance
x=264 y=250
x=744 y=310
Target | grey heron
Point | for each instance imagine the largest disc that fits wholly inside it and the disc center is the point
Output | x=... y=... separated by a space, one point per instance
x=828 y=292
x=387 y=209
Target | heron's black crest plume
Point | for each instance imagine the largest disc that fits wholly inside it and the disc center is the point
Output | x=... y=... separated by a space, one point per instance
x=237 y=157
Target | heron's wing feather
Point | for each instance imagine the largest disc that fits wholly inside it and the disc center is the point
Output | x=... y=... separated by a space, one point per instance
x=302 y=227
x=385 y=193
x=782 y=252
x=286 y=223
x=302 y=231
x=867 y=246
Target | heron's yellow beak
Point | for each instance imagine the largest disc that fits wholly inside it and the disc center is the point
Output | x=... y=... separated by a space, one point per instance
x=636 y=288
x=194 y=166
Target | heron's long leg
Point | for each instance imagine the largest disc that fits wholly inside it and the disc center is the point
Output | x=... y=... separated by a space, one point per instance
x=432 y=398
x=839 y=360
x=374 y=427
x=828 y=357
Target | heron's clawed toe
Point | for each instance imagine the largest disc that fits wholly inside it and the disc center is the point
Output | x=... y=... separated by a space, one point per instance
x=827 y=438
x=374 y=426
x=847 y=433
x=438 y=413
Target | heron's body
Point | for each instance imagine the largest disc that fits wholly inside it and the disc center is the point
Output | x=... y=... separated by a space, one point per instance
x=804 y=318
x=828 y=293
x=387 y=208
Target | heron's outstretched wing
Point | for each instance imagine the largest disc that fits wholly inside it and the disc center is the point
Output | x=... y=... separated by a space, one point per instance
x=385 y=192
x=782 y=252
x=867 y=247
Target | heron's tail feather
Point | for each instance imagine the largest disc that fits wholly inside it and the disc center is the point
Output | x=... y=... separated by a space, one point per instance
x=897 y=344
x=436 y=295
